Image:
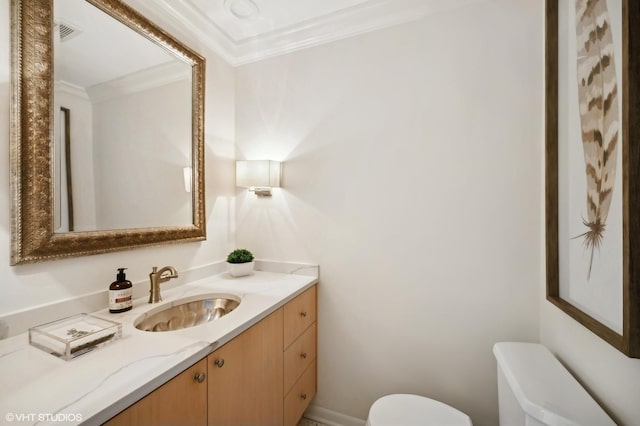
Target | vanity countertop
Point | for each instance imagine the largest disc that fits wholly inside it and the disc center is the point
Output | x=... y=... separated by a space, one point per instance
x=39 y=388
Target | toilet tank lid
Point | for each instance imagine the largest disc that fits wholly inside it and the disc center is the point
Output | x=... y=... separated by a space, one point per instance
x=545 y=389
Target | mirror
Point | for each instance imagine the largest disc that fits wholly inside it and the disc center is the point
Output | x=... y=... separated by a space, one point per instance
x=107 y=128
x=131 y=103
x=63 y=190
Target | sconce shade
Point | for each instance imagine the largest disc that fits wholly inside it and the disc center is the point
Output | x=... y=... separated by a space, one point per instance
x=258 y=174
x=187 y=173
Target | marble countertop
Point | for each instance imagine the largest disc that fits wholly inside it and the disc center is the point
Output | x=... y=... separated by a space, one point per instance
x=39 y=388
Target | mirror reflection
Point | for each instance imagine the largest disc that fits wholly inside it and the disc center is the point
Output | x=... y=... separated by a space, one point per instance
x=102 y=170
x=123 y=125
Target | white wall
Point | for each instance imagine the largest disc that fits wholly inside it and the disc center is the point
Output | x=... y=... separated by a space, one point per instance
x=32 y=285
x=145 y=162
x=413 y=177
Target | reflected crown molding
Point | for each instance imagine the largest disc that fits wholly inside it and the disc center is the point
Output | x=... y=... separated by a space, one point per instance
x=150 y=78
x=61 y=86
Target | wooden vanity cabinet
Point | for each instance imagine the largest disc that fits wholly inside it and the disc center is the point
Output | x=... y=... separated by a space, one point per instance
x=180 y=401
x=264 y=376
x=267 y=375
x=245 y=377
x=300 y=353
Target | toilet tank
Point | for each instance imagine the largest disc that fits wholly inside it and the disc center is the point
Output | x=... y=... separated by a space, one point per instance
x=534 y=389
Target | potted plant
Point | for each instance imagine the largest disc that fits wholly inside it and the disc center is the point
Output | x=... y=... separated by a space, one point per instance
x=240 y=262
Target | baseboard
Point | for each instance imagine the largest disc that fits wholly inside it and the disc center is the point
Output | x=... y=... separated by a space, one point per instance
x=331 y=418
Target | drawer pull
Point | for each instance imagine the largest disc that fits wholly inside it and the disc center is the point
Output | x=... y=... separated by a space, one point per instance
x=303 y=314
x=303 y=355
x=199 y=377
x=303 y=396
x=219 y=362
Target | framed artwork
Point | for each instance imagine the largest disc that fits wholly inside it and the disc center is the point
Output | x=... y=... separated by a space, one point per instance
x=593 y=166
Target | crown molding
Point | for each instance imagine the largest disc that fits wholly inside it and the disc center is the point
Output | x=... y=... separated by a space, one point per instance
x=366 y=17
x=188 y=17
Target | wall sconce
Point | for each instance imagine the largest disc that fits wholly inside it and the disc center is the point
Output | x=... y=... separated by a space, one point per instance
x=187 y=172
x=258 y=176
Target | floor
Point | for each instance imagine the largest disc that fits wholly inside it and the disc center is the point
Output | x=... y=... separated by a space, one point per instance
x=307 y=422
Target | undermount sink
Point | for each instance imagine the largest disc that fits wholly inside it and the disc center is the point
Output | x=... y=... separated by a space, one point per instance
x=187 y=312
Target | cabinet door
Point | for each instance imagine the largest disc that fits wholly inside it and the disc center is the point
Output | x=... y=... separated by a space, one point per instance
x=180 y=401
x=245 y=377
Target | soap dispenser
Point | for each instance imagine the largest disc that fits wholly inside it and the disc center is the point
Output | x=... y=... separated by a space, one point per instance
x=120 y=293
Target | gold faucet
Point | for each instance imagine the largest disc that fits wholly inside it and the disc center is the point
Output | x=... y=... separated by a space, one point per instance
x=159 y=276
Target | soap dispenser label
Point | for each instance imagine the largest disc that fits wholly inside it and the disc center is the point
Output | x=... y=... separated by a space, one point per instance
x=119 y=299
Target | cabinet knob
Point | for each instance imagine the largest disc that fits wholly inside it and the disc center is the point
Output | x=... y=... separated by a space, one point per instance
x=219 y=362
x=303 y=396
x=199 y=377
x=303 y=314
x=303 y=355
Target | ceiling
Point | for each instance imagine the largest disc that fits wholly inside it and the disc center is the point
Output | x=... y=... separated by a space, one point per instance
x=91 y=48
x=243 y=31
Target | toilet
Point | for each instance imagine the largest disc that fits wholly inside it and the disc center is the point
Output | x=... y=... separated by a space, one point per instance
x=414 y=410
x=534 y=389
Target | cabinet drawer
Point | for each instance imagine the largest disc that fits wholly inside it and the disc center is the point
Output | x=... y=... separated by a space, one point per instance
x=298 y=399
x=299 y=314
x=299 y=356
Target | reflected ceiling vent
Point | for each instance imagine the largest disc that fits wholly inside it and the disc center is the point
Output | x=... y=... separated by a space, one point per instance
x=67 y=31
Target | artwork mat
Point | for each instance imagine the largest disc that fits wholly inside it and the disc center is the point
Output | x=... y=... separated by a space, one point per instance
x=626 y=338
x=600 y=294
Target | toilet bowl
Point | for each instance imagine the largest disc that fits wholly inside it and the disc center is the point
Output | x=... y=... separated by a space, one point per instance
x=410 y=410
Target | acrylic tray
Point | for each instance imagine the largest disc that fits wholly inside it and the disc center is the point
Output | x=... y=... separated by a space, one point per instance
x=73 y=336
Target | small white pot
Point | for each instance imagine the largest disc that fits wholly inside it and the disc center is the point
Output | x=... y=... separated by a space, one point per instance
x=240 y=269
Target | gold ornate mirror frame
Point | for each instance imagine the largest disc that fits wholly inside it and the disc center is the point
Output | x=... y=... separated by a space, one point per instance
x=32 y=222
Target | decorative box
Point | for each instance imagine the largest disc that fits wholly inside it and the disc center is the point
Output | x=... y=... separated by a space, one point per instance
x=73 y=336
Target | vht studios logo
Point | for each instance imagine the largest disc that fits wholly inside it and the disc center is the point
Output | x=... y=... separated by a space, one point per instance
x=43 y=417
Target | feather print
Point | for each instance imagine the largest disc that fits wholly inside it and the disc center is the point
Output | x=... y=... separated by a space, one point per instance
x=599 y=121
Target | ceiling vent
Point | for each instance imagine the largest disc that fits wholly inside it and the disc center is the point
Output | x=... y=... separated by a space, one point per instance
x=67 y=30
x=242 y=9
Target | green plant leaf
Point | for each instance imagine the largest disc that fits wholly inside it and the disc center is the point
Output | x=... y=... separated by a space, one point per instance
x=240 y=256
